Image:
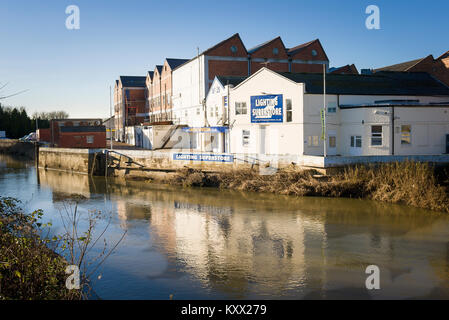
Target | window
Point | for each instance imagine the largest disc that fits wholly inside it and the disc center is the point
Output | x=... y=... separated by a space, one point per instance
x=233 y=49
x=197 y=111
x=216 y=111
x=356 y=141
x=245 y=137
x=240 y=108
x=332 y=141
x=90 y=139
x=376 y=135
x=406 y=134
x=211 y=111
x=314 y=53
x=332 y=107
x=313 y=141
x=288 y=102
x=275 y=51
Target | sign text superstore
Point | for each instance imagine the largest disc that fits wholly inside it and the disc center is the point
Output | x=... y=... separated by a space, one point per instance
x=203 y=157
x=267 y=108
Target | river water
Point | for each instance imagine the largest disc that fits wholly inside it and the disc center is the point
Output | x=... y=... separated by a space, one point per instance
x=219 y=244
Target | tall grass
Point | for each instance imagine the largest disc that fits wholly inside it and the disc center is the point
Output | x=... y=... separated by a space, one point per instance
x=411 y=183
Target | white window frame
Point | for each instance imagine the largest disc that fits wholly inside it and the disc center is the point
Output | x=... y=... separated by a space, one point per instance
x=353 y=142
x=377 y=136
x=409 y=143
x=241 y=108
x=288 y=110
x=313 y=141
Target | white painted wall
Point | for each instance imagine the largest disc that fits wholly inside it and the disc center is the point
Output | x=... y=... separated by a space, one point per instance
x=429 y=124
x=189 y=91
x=280 y=138
x=214 y=104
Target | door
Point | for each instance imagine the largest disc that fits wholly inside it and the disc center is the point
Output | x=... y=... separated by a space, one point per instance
x=332 y=143
x=355 y=148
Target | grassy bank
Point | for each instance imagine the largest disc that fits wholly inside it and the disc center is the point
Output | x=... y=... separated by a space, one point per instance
x=411 y=183
x=29 y=268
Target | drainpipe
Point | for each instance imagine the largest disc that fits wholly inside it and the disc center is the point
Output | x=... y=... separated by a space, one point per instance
x=392 y=130
x=228 y=120
x=160 y=96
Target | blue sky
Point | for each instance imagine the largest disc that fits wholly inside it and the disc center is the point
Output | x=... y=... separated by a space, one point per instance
x=73 y=69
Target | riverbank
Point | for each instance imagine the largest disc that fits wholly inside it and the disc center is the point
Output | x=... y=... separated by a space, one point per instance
x=15 y=147
x=29 y=268
x=411 y=183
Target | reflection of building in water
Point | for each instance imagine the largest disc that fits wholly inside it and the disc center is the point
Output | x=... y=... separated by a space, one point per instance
x=65 y=183
x=249 y=245
x=127 y=210
x=237 y=251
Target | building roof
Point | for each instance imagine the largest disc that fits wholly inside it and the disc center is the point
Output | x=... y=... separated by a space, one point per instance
x=381 y=83
x=260 y=46
x=347 y=69
x=151 y=74
x=230 y=80
x=301 y=47
x=174 y=63
x=133 y=81
x=221 y=42
x=404 y=66
x=159 y=68
x=444 y=56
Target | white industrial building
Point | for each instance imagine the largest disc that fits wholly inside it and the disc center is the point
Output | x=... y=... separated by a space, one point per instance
x=388 y=113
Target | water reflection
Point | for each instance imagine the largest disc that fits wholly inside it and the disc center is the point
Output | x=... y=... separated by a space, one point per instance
x=224 y=244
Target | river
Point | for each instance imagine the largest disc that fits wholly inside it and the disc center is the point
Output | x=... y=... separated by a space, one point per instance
x=219 y=244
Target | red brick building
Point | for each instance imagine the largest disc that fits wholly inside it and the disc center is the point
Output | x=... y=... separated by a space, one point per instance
x=191 y=80
x=77 y=133
x=159 y=85
x=129 y=103
x=439 y=67
x=43 y=135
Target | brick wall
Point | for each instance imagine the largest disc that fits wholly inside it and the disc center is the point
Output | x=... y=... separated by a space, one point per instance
x=82 y=140
x=275 y=66
x=438 y=68
x=308 y=68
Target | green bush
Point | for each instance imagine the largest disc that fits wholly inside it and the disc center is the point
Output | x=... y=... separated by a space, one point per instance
x=29 y=268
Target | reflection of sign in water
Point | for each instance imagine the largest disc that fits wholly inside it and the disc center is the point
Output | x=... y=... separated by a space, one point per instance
x=203 y=157
x=268 y=108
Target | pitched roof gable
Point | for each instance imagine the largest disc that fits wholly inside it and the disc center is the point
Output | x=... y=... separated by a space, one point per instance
x=235 y=39
x=444 y=56
x=300 y=50
x=158 y=69
x=262 y=48
x=403 y=66
x=174 y=63
x=133 y=81
x=232 y=80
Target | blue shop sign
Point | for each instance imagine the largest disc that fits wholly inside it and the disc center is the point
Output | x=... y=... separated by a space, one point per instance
x=205 y=129
x=267 y=108
x=203 y=157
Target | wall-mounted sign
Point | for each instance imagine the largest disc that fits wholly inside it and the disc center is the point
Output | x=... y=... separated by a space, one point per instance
x=203 y=157
x=205 y=129
x=323 y=129
x=267 y=108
